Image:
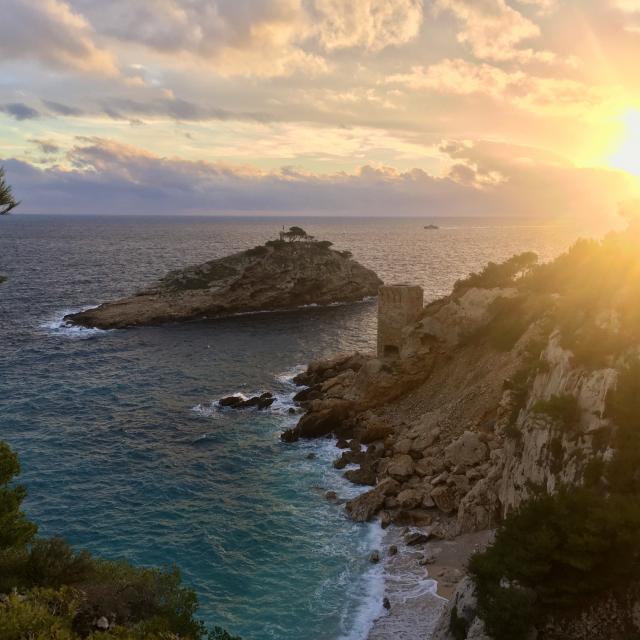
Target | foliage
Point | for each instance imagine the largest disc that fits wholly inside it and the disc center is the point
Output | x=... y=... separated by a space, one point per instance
x=553 y=553
x=15 y=529
x=562 y=408
x=509 y=320
x=58 y=593
x=458 y=627
x=7 y=201
x=502 y=274
x=295 y=233
x=324 y=244
x=623 y=472
x=258 y=251
x=598 y=285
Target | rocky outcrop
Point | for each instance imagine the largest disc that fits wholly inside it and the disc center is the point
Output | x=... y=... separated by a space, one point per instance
x=460 y=618
x=279 y=275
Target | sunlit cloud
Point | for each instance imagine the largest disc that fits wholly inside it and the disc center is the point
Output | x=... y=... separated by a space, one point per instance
x=50 y=32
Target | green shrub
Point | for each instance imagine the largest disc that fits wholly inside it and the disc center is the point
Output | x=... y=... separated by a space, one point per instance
x=495 y=275
x=62 y=591
x=324 y=244
x=564 y=409
x=556 y=451
x=258 y=251
x=15 y=529
x=623 y=408
x=556 y=552
x=457 y=626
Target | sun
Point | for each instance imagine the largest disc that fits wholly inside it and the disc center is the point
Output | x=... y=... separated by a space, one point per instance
x=627 y=156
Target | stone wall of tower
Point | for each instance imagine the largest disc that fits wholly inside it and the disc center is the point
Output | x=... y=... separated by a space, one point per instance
x=399 y=305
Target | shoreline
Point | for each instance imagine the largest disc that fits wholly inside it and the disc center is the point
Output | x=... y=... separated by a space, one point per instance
x=419 y=581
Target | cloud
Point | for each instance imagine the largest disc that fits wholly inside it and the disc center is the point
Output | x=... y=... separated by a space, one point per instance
x=61 y=109
x=515 y=88
x=46 y=146
x=102 y=176
x=244 y=37
x=264 y=38
x=495 y=31
x=175 y=108
x=20 y=111
x=372 y=24
x=49 y=32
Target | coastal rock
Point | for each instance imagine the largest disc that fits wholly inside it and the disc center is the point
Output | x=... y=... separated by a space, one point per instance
x=317 y=424
x=467 y=451
x=445 y=498
x=278 y=275
x=376 y=432
x=366 y=505
x=262 y=401
x=401 y=467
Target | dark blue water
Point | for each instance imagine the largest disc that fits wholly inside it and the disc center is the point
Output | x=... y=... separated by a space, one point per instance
x=123 y=452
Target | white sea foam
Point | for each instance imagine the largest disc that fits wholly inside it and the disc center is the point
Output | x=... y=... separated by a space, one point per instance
x=369 y=605
x=58 y=326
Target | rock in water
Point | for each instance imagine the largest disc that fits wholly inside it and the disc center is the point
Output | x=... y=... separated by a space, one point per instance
x=278 y=275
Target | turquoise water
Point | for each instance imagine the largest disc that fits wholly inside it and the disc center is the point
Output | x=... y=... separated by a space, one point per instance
x=123 y=451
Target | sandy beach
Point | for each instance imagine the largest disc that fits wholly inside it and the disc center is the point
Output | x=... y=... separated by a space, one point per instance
x=418 y=582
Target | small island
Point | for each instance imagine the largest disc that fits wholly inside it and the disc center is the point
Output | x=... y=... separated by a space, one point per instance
x=290 y=272
x=431 y=227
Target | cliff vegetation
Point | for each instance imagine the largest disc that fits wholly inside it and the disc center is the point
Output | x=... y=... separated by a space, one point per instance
x=49 y=591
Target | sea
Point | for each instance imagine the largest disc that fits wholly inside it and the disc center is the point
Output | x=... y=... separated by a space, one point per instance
x=124 y=451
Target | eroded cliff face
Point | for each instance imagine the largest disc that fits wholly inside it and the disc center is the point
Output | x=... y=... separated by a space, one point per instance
x=266 y=278
x=542 y=450
x=443 y=433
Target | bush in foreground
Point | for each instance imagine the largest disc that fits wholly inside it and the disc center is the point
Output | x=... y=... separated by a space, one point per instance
x=554 y=553
x=52 y=592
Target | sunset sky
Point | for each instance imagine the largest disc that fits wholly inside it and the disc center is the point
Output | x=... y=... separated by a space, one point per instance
x=342 y=107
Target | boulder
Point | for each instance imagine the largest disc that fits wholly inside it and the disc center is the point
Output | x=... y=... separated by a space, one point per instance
x=401 y=466
x=409 y=498
x=315 y=424
x=467 y=451
x=415 y=538
x=445 y=498
x=375 y=432
x=402 y=446
x=366 y=505
x=365 y=475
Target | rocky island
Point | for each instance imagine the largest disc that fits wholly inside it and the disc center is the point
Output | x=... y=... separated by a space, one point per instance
x=510 y=409
x=282 y=274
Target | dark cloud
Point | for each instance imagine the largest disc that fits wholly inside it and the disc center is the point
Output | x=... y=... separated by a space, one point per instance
x=176 y=108
x=20 y=111
x=107 y=177
x=61 y=109
x=46 y=146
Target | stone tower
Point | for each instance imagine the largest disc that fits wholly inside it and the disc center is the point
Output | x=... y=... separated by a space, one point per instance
x=399 y=305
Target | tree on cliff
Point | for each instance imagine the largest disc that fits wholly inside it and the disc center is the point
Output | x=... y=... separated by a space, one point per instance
x=7 y=201
x=295 y=233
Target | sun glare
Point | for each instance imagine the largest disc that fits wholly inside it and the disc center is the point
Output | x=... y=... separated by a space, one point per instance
x=627 y=157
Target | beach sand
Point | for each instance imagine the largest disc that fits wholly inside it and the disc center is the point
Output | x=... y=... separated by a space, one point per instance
x=418 y=593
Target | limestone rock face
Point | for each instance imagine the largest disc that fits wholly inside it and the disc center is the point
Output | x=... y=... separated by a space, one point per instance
x=465 y=605
x=266 y=278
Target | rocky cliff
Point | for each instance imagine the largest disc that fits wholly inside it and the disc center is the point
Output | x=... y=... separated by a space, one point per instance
x=278 y=275
x=500 y=389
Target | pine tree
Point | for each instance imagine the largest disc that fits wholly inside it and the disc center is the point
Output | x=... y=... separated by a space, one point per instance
x=7 y=201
